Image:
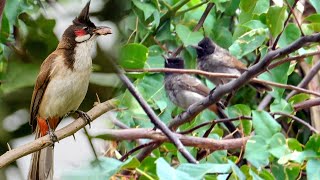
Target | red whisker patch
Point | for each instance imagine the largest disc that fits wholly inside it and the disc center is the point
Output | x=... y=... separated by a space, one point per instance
x=80 y=32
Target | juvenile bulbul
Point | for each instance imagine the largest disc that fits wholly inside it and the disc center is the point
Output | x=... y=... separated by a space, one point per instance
x=213 y=58
x=184 y=90
x=61 y=86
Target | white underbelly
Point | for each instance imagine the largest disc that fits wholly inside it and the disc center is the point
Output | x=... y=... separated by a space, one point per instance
x=184 y=99
x=64 y=93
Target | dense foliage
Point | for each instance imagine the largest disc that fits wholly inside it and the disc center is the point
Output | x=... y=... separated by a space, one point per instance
x=279 y=147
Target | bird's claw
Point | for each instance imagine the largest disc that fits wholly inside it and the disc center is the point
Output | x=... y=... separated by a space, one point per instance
x=84 y=116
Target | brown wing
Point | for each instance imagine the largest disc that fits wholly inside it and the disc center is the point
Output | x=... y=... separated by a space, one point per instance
x=195 y=85
x=237 y=64
x=39 y=89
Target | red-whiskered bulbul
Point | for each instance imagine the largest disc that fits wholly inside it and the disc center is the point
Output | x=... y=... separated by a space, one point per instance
x=61 y=86
x=184 y=90
x=213 y=58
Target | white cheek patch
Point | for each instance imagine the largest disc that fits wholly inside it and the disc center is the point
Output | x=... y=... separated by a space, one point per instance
x=82 y=38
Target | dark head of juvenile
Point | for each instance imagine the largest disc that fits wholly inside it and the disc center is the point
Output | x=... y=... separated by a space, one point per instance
x=205 y=47
x=176 y=63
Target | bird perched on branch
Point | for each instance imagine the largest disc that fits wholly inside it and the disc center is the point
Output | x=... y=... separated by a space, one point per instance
x=61 y=86
x=184 y=90
x=213 y=58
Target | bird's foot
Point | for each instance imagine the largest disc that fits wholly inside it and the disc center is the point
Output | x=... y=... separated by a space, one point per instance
x=84 y=116
x=52 y=135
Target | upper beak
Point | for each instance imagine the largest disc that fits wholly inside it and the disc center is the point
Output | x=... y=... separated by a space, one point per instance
x=196 y=47
x=102 y=30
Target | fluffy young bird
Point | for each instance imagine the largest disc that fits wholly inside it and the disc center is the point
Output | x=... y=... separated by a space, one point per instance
x=184 y=90
x=61 y=86
x=213 y=58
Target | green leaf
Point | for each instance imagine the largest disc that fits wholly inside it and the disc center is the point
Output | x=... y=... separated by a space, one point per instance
x=247 y=5
x=313 y=169
x=236 y=172
x=107 y=168
x=289 y=35
x=298 y=157
x=5 y=29
x=147 y=8
x=133 y=56
x=264 y=124
x=257 y=151
x=131 y=163
x=279 y=75
x=198 y=171
x=165 y=171
x=294 y=144
x=313 y=18
x=248 y=42
x=262 y=6
x=278 y=146
x=315 y=4
x=105 y=79
x=241 y=110
x=19 y=75
x=254 y=24
x=275 y=19
x=187 y=36
x=299 y=98
x=314 y=144
x=281 y=105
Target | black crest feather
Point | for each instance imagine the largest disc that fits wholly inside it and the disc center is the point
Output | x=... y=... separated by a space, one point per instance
x=83 y=18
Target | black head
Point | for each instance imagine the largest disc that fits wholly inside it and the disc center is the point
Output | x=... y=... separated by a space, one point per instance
x=176 y=62
x=83 y=19
x=205 y=47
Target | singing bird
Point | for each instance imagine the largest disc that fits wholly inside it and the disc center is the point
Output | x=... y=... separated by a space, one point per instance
x=184 y=90
x=61 y=86
x=213 y=58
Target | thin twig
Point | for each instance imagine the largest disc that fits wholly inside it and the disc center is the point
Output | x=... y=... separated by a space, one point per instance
x=91 y=145
x=285 y=25
x=125 y=156
x=197 y=27
x=307 y=104
x=275 y=64
x=298 y=120
x=214 y=122
x=305 y=81
x=179 y=13
x=295 y=17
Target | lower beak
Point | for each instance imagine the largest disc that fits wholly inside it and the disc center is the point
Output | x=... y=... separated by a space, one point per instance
x=102 y=30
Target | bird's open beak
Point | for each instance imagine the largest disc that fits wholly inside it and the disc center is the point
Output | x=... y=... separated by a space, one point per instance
x=102 y=30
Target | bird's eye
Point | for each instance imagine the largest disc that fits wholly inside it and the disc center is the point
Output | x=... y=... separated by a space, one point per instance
x=85 y=28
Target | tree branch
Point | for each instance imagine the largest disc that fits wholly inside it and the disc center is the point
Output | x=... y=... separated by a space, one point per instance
x=45 y=141
x=147 y=133
x=224 y=75
x=298 y=120
x=305 y=81
x=307 y=104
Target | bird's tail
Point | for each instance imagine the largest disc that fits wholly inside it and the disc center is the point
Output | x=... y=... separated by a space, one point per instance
x=41 y=166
